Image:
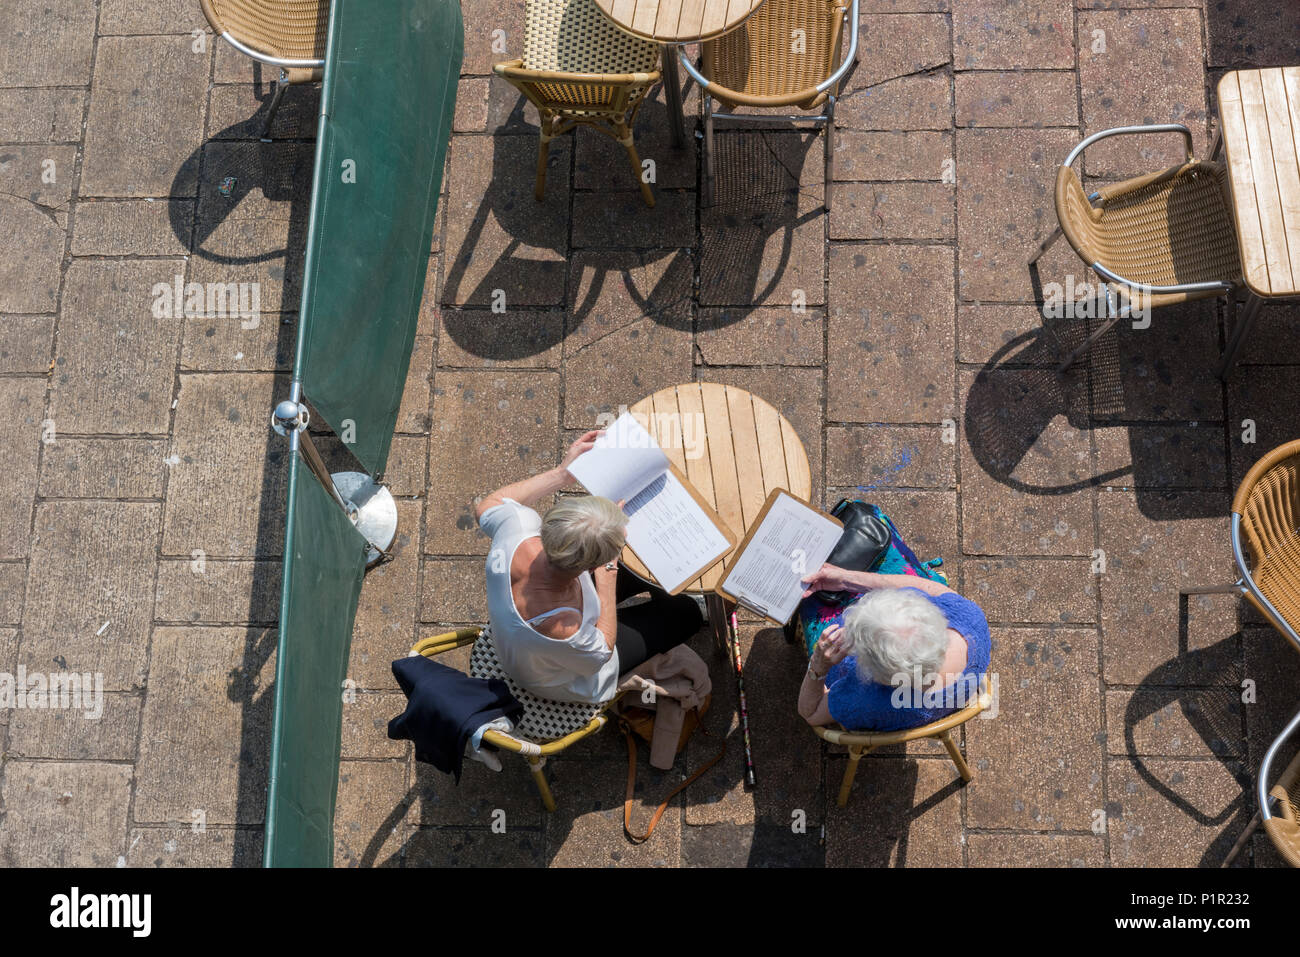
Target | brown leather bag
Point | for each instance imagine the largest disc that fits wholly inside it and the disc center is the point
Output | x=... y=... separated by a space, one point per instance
x=638 y=722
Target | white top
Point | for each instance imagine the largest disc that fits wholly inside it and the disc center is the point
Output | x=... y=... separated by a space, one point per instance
x=577 y=668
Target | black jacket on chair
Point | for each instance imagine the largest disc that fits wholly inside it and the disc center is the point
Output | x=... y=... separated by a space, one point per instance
x=444 y=707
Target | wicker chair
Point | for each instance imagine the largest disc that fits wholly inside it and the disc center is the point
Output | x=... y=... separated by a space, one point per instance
x=1159 y=239
x=763 y=64
x=1283 y=829
x=861 y=743
x=1266 y=519
x=546 y=728
x=289 y=34
x=578 y=69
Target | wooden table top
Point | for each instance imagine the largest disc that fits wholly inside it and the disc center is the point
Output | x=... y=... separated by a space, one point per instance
x=732 y=446
x=677 y=21
x=1259 y=114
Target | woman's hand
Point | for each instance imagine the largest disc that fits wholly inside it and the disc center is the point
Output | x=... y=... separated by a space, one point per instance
x=834 y=578
x=831 y=648
x=583 y=444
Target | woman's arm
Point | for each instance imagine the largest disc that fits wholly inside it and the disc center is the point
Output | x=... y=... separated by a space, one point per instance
x=606 y=578
x=533 y=489
x=927 y=585
x=834 y=578
x=814 y=706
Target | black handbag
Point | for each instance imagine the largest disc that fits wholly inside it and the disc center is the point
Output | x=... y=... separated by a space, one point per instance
x=863 y=541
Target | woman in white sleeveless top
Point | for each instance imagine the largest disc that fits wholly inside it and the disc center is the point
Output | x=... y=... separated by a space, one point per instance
x=553 y=585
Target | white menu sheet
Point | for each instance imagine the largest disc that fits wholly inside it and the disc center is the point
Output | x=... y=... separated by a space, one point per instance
x=675 y=538
x=792 y=542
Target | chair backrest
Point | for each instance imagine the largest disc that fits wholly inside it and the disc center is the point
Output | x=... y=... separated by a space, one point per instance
x=1284 y=828
x=774 y=58
x=982 y=702
x=1268 y=503
x=573 y=36
x=289 y=29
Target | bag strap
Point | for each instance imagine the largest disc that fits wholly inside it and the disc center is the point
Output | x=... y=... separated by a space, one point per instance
x=631 y=787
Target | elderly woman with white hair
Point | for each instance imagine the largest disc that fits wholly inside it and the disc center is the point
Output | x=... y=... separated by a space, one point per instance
x=909 y=651
x=554 y=584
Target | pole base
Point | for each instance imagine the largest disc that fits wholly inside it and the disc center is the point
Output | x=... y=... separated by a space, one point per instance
x=372 y=510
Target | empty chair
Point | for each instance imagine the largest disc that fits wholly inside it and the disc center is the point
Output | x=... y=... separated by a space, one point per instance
x=289 y=34
x=1156 y=240
x=786 y=55
x=579 y=69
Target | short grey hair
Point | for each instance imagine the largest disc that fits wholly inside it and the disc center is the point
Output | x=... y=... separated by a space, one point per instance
x=582 y=531
x=896 y=631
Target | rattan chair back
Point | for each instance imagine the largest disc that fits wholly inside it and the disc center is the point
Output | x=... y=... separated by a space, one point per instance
x=1283 y=828
x=778 y=56
x=287 y=29
x=1268 y=503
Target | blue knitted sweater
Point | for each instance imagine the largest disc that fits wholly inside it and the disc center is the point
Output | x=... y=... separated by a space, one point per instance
x=871 y=706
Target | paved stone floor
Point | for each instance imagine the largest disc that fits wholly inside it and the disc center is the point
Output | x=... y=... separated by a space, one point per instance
x=141 y=516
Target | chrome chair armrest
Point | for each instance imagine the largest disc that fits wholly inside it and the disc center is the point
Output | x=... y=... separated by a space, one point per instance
x=690 y=69
x=1266 y=766
x=821 y=87
x=1129 y=130
x=285 y=63
x=1147 y=289
x=852 y=55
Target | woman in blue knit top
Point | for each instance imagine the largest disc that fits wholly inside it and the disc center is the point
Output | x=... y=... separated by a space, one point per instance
x=907 y=652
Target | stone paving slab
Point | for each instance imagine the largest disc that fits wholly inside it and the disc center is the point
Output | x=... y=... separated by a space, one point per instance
x=901 y=334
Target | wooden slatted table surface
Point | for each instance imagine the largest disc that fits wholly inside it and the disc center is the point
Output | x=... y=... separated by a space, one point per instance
x=1259 y=113
x=677 y=21
x=733 y=447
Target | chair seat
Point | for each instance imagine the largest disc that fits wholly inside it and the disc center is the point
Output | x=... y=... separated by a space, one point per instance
x=543 y=719
x=1166 y=229
x=288 y=29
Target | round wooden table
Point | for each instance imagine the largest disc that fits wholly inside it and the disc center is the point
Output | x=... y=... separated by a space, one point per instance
x=672 y=22
x=735 y=449
x=677 y=21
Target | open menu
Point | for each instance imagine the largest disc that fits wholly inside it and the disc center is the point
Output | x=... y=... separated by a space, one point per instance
x=787 y=542
x=672 y=530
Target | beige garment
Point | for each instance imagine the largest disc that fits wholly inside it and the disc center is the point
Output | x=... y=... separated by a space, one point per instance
x=671 y=683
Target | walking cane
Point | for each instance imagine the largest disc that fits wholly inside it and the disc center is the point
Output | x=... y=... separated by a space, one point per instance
x=744 y=708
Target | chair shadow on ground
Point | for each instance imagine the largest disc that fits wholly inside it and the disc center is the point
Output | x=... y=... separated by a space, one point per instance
x=234 y=166
x=756 y=196
x=1016 y=396
x=1215 y=713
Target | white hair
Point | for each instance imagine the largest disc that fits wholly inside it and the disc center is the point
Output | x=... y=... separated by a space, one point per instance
x=583 y=531
x=896 y=631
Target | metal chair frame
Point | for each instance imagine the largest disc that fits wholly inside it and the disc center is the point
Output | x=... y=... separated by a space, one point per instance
x=829 y=86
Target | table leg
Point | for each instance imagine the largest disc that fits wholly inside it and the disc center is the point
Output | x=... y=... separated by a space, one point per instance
x=673 y=95
x=718 y=615
x=1237 y=336
x=1217 y=145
